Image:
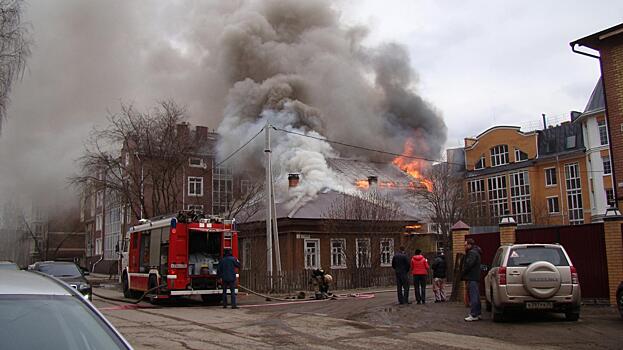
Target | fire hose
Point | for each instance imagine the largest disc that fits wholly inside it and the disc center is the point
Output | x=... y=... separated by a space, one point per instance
x=368 y=295
x=128 y=301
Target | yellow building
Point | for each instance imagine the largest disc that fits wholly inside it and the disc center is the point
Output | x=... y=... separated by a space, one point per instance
x=538 y=177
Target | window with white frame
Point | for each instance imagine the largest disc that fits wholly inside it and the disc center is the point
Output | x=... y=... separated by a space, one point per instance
x=603 y=132
x=433 y=228
x=338 y=253
x=196 y=162
x=498 y=197
x=112 y=233
x=553 y=207
x=477 y=197
x=98 y=246
x=362 y=246
x=550 y=177
x=222 y=190
x=520 y=197
x=245 y=186
x=196 y=207
x=98 y=222
x=246 y=255
x=574 y=193
x=312 y=253
x=387 y=251
x=195 y=186
x=520 y=155
x=607 y=165
x=480 y=164
x=499 y=155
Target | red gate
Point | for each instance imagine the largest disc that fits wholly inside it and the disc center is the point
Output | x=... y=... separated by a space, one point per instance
x=489 y=243
x=586 y=247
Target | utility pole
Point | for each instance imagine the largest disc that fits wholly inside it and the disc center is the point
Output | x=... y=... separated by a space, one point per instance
x=269 y=207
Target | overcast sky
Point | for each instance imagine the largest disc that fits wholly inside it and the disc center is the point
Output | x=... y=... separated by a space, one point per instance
x=480 y=64
x=484 y=63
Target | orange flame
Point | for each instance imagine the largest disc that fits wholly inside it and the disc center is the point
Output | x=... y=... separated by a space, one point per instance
x=412 y=166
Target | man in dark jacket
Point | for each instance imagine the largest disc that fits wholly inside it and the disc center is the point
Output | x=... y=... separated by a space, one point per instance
x=227 y=273
x=401 y=264
x=439 y=276
x=471 y=273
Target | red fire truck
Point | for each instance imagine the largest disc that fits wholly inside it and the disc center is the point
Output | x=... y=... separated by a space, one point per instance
x=179 y=253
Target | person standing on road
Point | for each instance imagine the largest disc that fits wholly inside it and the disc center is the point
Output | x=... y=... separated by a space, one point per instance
x=471 y=274
x=419 y=269
x=439 y=276
x=226 y=271
x=400 y=264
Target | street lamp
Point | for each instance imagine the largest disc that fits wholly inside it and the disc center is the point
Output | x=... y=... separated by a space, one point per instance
x=612 y=213
x=507 y=220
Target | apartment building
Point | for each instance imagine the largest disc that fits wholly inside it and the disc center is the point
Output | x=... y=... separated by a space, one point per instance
x=539 y=177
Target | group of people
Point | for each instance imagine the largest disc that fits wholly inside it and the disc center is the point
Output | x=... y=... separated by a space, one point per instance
x=419 y=268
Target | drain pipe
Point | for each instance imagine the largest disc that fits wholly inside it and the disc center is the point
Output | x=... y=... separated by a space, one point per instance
x=573 y=44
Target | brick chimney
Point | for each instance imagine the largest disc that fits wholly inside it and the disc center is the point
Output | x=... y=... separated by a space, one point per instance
x=373 y=180
x=183 y=130
x=293 y=180
x=201 y=133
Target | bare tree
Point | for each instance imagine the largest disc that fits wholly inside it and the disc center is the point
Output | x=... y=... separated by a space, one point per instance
x=246 y=202
x=138 y=158
x=445 y=201
x=14 y=49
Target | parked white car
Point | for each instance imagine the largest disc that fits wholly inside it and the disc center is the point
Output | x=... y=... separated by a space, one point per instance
x=534 y=277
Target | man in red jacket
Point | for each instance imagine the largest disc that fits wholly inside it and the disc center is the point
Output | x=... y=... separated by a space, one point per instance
x=419 y=270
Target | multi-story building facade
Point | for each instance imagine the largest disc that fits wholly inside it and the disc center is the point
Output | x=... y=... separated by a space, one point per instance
x=539 y=177
x=609 y=44
x=598 y=159
x=107 y=215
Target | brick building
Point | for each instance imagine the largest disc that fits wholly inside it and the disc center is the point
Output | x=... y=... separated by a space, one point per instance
x=539 y=177
x=609 y=44
x=197 y=184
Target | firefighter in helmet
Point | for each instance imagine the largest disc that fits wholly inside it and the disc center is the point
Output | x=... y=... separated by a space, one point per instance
x=322 y=280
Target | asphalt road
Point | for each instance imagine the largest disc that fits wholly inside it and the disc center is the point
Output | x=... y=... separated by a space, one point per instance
x=351 y=323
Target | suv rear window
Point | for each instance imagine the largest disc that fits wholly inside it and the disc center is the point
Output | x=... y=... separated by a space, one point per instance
x=527 y=255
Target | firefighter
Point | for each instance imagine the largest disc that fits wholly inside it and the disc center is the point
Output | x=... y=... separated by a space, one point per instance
x=227 y=273
x=322 y=279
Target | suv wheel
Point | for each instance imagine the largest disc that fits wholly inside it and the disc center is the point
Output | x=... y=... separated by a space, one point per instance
x=572 y=315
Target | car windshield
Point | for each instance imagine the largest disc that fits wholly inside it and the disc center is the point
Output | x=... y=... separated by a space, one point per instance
x=53 y=322
x=8 y=266
x=527 y=255
x=60 y=270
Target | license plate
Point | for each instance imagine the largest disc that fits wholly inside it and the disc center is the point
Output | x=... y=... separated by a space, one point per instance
x=539 y=305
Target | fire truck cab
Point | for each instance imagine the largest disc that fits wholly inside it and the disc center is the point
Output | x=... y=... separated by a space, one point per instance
x=176 y=256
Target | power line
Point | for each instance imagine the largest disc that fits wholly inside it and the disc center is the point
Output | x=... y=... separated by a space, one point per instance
x=239 y=148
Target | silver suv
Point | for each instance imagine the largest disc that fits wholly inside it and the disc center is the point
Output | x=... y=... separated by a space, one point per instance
x=536 y=277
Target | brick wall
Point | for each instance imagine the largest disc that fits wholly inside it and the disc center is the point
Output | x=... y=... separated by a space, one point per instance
x=612 y=71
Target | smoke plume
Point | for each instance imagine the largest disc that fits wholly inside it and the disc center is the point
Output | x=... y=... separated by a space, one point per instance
x=294 y=64
x=234 y=64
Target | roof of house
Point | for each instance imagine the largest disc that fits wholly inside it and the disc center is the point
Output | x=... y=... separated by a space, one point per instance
x=597 y=101
x=592 y=41
x=353 y=170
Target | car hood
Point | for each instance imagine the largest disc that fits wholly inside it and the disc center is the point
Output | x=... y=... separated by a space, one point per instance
x=74 y=280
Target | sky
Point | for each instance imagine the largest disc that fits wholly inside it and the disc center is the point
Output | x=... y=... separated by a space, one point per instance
x=479 y=64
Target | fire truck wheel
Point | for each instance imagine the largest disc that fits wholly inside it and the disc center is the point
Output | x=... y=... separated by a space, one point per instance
x=126 y=288
x=152 y=282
